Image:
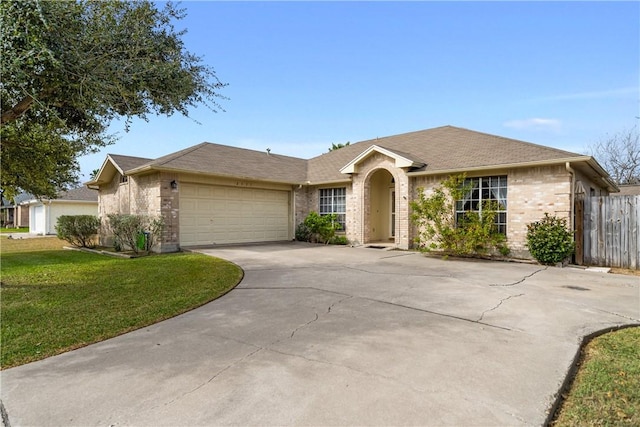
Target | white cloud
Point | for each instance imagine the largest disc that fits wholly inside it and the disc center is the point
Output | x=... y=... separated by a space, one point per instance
x=598 y=94
x=534 y=124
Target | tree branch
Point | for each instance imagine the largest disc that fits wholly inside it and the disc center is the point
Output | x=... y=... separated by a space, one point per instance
x=19 y=109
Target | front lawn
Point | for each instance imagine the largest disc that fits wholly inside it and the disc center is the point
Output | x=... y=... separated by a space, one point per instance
x=54 y=300
x=14 y=230
x=606 y=389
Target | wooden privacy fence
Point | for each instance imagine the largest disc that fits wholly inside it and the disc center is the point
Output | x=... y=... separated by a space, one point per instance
x=610 y=231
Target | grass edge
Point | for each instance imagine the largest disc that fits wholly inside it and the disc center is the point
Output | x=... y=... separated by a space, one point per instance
x=569 y=379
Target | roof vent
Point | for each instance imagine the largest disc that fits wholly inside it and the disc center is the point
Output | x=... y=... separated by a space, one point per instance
x=268 y=151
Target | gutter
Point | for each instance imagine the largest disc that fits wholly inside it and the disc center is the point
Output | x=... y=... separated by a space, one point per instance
x=505 y=166
x=143 y=169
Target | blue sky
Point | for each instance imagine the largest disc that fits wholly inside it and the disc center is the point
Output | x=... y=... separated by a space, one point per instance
x=304 y=75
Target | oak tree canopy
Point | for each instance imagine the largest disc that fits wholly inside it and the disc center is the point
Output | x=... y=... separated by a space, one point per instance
x=68 y=68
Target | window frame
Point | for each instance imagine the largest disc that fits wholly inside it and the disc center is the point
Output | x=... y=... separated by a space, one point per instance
x=335 y=202
x=486 y=188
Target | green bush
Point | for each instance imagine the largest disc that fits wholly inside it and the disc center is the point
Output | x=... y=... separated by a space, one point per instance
x=79 y=230
x=339 y=240
x=303 y=234
x=128 y=229
x=318 y=228
x=549 y=241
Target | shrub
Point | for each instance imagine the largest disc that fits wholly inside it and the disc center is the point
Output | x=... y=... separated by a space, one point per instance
x=79 y=230
x=303 y=234
x=435 y=217
x=339 y=240
x=549 y=241
x=128 y=229
x=318 y=228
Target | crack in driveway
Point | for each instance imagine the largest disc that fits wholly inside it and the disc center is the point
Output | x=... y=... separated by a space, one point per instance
x=212 y=378
x=303 y=325
x=498 y=305
x=521 y=280
x=450 y=316
x=394 y=273
x=350 y=368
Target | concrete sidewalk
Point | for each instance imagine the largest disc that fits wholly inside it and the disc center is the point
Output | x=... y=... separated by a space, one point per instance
x=319 y=335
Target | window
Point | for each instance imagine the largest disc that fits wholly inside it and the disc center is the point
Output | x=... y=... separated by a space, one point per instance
x=333 y=201
x=486 y=189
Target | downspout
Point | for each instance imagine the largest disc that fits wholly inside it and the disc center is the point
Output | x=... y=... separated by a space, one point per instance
x=572 y=197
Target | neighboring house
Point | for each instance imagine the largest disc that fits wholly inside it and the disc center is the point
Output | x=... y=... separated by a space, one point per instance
x=13 y=213
x=629 y=190
x=43 y=214
x=213 y=194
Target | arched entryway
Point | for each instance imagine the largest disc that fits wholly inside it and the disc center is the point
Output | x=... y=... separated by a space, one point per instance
x=380 y=221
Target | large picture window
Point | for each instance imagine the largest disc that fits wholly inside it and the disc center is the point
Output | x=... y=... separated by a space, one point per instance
x=485 y=189
x=334 y=201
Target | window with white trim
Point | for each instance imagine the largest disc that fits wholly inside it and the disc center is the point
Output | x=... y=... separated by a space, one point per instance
x=485 y=189
x=334 y=201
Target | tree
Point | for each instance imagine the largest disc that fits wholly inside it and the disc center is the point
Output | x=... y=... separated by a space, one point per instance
x=619 y=154
x=70 y=67
x=339 y=146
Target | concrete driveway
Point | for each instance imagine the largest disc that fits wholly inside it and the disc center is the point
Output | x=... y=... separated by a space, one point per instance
x=319 y=335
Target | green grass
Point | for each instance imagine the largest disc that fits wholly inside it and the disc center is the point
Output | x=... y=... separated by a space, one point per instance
x=14 y=230
x=606 y=389
x=54 y=300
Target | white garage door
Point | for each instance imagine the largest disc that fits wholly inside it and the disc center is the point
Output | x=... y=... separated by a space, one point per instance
x=211 y=214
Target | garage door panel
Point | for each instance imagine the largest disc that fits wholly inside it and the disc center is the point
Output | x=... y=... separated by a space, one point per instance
x=212 y=214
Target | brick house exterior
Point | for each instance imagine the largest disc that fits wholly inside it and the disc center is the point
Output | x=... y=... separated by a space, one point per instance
x=213 y=194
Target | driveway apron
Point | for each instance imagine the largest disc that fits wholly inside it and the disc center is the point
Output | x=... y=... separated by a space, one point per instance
x=325 y=335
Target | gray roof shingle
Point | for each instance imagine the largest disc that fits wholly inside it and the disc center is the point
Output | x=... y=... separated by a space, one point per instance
x=443 y=148
x=79 y=194
x=440 y=149
x=128 y=162
x=236 y=162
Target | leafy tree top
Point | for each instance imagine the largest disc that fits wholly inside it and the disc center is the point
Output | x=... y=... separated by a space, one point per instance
x=339 y=146
x=69 y=67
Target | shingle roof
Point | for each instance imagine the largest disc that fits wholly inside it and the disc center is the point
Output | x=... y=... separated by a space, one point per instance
x=445 y=148
x=440 y=149
x=224 y=160
x=629 y=190
x=128 y=162
x=79 y=194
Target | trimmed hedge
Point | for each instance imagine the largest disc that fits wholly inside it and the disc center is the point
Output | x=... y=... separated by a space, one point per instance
x=79 y=230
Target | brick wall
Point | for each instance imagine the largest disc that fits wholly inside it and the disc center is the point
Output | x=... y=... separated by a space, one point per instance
x=149 y=195
x=358 y=212
x=530 y=193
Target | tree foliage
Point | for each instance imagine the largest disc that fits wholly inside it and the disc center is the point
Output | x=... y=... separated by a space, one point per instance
x=339 y=146
x=70 y=67
x=438 y=229
x=619 y=154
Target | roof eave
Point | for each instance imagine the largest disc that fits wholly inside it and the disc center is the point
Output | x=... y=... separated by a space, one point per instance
x=400 y=161
x=560 y=161
x=155 y=168
x=612 y=186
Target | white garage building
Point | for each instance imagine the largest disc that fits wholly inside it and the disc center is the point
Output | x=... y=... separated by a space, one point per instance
x=44 y=214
